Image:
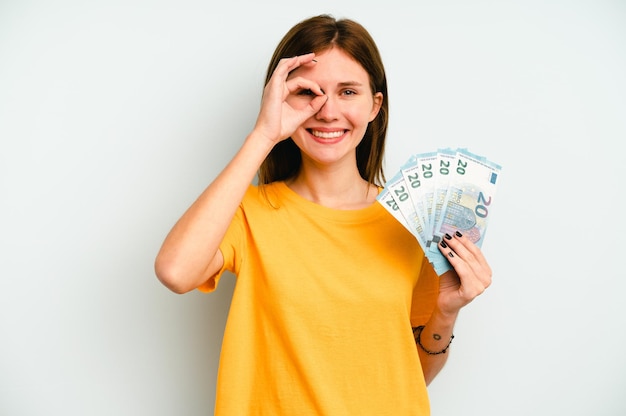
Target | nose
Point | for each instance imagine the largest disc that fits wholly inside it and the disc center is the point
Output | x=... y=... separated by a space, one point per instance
x=329 y=110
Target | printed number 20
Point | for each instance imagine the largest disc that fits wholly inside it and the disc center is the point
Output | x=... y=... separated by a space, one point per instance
x=481 y=209
x=402 y=194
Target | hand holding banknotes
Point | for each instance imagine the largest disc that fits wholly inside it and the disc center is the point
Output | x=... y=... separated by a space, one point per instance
x=444 y=199
x=439 y=193
x=469 y=277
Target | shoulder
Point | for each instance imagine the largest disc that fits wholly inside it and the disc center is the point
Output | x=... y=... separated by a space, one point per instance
x=263 y=196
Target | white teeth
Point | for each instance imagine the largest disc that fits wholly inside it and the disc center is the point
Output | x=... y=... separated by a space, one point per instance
x=327 y=135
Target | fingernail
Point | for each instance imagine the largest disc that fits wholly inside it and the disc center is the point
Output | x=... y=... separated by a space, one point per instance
x=314 y=60
x=458 y=234
x=448 y=236
x=450 y=254
x=443 y=244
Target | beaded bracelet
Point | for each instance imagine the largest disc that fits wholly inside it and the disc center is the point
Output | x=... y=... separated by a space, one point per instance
x=417 y=333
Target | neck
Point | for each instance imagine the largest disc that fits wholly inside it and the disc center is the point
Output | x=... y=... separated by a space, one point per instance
x=334 y=187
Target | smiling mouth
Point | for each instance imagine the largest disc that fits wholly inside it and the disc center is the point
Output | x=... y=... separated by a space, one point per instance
x=327 y=134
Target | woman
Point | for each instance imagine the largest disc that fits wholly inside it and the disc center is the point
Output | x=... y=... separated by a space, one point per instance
x=329 y=285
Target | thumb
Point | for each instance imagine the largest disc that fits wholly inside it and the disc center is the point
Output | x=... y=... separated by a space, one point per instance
x=316 y=104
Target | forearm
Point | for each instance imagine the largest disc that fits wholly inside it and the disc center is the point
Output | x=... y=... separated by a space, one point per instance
x=188 y=255
x=435 y=337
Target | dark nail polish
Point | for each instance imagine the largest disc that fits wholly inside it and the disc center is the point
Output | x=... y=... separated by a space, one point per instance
x=458 y=234
x=448 y=236
x=450 y=254
x=443 y=244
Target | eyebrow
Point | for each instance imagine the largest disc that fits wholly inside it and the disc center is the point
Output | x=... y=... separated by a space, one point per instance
x=350 y=84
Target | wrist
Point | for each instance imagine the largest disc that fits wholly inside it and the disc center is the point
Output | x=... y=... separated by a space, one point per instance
x=444 y=316
x=261 y=138
x=441 y=347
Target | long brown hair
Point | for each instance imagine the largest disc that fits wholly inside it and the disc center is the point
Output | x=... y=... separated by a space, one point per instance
x=317 y=34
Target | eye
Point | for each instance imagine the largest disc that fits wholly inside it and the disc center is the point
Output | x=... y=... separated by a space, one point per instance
x=349 y=92
x=305 y=92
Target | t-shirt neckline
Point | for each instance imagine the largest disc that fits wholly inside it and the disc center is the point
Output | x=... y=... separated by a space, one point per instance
x=344 y=215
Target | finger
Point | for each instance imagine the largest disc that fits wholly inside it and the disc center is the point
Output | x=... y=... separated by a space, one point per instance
x=280 y=85
x=470 y=271
x=470 y=285
x=480 y=264
x=457 y=262
x=286 y=65
x=465 y=250
x=316 y=104
x=298 y=85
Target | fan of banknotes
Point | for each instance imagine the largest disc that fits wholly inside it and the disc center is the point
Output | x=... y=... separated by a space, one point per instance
x=441 y=192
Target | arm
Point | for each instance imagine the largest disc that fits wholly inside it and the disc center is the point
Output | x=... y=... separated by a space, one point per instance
x=190 y=253
x=470 y=276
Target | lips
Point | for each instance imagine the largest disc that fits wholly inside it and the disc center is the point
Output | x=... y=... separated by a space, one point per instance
x=327 y=135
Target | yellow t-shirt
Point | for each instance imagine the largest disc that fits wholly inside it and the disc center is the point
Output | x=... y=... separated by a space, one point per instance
x=321 y=316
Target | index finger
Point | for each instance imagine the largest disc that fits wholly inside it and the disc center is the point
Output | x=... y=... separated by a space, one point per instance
x=469 y=252
x=286 y=65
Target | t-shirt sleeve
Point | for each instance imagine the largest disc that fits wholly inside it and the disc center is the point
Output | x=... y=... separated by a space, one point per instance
x=425 y=294
x=231 y=248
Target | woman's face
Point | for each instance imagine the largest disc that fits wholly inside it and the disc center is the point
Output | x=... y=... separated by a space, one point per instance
x=333 y=133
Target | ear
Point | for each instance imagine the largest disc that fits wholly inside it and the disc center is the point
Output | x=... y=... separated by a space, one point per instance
x=378 y=102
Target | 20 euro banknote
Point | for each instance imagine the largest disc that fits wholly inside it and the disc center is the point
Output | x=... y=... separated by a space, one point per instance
x=471 y=192
x=438 y=193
